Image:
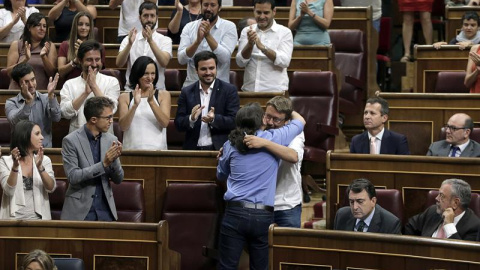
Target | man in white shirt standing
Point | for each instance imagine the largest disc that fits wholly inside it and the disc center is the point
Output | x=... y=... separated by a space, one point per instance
x=265 y=50
x=212 y=33
x=147 y=43
x=128 y=16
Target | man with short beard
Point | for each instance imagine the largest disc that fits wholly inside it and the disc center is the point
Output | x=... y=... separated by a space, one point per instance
x=149 y=43
x=450 y=217
x=90 y=83
x=212 y=33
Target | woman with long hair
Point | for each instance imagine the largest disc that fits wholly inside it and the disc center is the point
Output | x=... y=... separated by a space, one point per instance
x=35 y=49
x=63 y=13
x=13 y=18
x=26 y=175
x=82 y=29
x=144 y=112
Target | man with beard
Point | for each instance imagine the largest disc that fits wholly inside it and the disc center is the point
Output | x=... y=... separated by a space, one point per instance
x=457 y=141
x=150 y=43
x=206 y=109
x=450 y=217
x=212 y=33
x=91 y=83
x=265 y=50
x=377 y=139
x=288 y=194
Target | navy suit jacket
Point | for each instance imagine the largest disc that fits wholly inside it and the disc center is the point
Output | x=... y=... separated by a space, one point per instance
x=226 y=103
x=382 y=221
x=392 y=144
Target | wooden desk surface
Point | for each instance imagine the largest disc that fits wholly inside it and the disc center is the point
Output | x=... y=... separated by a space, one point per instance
x=100 y=244
x=421 y=116
x=413 y=176
x=325 y=249
x=430 y=61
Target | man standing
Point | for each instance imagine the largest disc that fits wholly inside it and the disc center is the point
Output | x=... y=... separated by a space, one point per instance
x=32 y=105
x=364 y=214
x=265 y=50
x=207 y=108
x=212 y=33
x=288 y=195
x=91 y=83
x=128 y=16
x=450 y=217
x=457 y=142
x=148 y=43
x=377 y=139
x=90 y=159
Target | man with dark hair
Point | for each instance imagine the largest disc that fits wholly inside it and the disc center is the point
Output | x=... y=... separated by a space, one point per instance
x=206 y=109
x=457 y=141
x=128 y=16
x=211 y=33
x=149 y=43
x=32 y=105
x=377 y=139
x=364 y=214
x=90 y=160
x=469 y=34
x=265 y=50
x=91 y=83
x=450 y=217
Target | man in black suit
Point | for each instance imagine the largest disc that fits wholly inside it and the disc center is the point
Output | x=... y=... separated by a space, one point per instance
x=207 y=109
x=377 y=139
x=364 y=214
x=450 y=217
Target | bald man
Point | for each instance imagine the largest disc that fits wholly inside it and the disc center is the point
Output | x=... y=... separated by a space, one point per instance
x=457 y=142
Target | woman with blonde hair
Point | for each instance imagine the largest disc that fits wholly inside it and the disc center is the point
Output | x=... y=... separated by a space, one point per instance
x=37 y=260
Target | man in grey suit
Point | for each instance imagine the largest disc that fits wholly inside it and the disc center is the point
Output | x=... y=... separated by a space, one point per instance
x=90 y=159
x=363 y=214
x=457 y=142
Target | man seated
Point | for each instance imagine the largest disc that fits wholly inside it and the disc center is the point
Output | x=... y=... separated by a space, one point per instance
x=450 y=217
x=457 y=141
x=377 y=139
x=469 y=34
x=364 y=214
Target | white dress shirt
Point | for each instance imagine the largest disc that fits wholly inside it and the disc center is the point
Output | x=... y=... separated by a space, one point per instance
x=140 y=47
x=450 y=228
x=224 y=32
x=378 y=140
x=17 y=30
x=205 y=137
x=460 y=150
x=261 y=74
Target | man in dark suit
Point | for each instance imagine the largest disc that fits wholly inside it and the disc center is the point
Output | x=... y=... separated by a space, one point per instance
x=377 y=139
x=364 y=214
x=90 y=160
x=450 y=217
x=457 y=141
x=206 y=109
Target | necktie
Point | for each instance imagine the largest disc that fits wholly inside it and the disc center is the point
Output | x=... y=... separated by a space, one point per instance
x=454 y=151
x=373 y=145
x=361 y=226
x=441 y=231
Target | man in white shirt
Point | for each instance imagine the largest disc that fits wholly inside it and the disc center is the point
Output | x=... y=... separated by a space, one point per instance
x=265 y=50
x=148 y=43
x=212 y=33
x=91 y=83
x=128 y=16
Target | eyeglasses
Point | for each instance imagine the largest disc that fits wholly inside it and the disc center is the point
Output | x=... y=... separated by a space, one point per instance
x=453 y=128
x=108 y=118
x=275 y=120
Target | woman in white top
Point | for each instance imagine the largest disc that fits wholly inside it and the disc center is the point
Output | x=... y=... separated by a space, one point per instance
x=13 y=19
x=145 y=112
x=26 y=175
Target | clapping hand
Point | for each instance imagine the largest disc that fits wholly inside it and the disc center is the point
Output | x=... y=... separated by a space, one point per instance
x=196 y=111
x=210 y=116
x=45 y=49
x=52 y=84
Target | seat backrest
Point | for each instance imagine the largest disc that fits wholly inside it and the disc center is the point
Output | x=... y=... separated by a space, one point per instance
x=4 y=79
x=57 y=198
x=172 y=80
x=115 y=73
x=384 y=35
x=193 y=213
x=6 y=133
x=163 y=31
x=129 y=201
x=235 y=79
x=451 y=82
x=474 y=135
x=314 y=95
x=69 y=264
x=474 y=201
x=175 y=138
x=117 y=131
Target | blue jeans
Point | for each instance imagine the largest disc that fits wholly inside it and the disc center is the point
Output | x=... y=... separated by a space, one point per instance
x=242 y=226
x=289 y=218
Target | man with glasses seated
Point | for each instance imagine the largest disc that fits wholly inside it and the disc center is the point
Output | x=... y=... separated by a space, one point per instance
x=457 y=142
